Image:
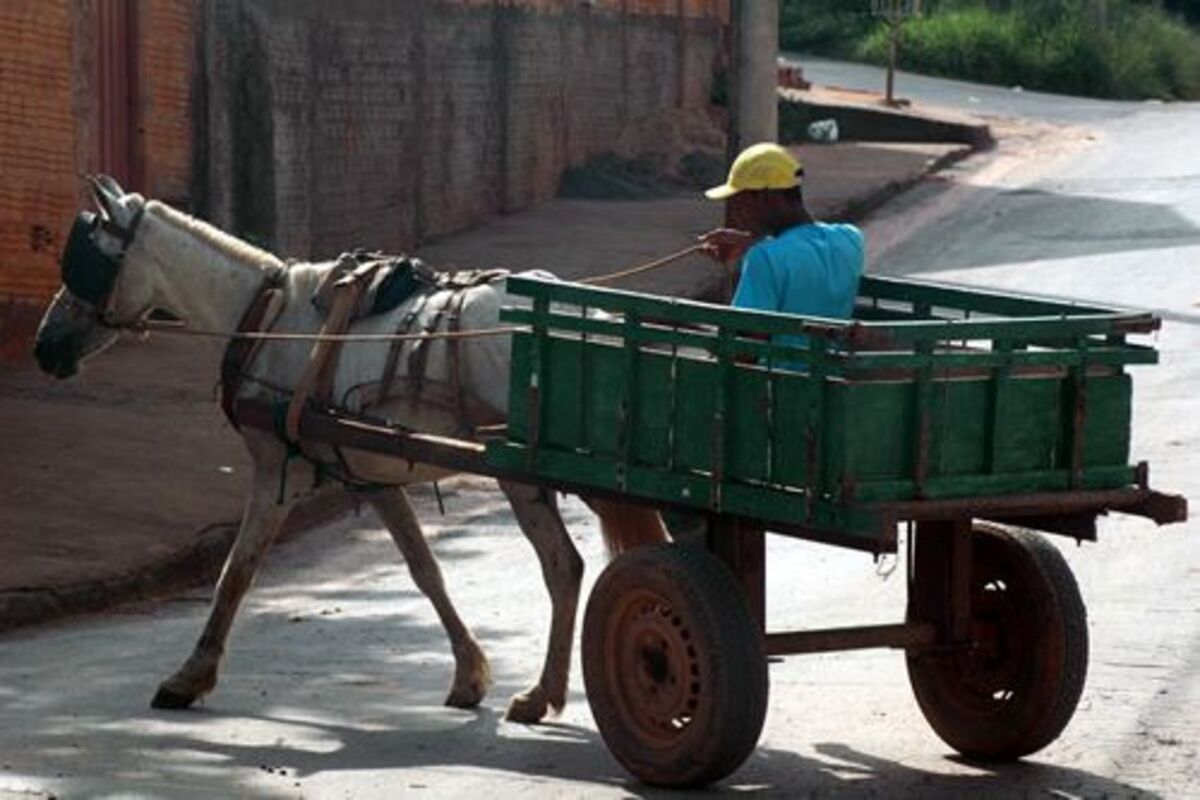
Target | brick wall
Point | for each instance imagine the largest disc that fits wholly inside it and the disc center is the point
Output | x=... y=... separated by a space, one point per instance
x=315 y=125
x=166 y=33
x=37 y=156
x=375 y=123
x=49 y=131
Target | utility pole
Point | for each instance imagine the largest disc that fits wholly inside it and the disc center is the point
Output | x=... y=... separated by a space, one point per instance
x=754 y=99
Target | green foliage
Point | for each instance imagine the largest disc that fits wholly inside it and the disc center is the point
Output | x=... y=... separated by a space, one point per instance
x=831 y=27
x=1053 y=45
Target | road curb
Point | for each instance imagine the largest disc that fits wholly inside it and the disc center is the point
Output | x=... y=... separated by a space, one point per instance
x=856 y=208
x=199 y=562
x=861 y=122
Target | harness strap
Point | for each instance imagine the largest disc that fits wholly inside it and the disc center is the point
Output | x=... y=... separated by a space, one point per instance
x=259 y=316
x=393 y=356
x=458 y=300
x=317 y=378
x=419 y=355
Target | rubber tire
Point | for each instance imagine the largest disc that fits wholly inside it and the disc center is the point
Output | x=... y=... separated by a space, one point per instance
x=1044 y=597
x=703 y=597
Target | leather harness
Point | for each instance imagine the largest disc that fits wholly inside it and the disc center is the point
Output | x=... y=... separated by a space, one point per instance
x=316 y=382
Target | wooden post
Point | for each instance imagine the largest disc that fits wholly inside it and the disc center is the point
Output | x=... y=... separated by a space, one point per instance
x=893 y=34
x=743 y=549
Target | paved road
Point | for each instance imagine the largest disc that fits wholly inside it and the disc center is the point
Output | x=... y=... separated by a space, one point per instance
x=1008 y=101
x=337 y=668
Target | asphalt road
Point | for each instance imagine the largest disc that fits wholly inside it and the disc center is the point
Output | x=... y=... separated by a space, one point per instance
x=337 y=668
x=977 y=98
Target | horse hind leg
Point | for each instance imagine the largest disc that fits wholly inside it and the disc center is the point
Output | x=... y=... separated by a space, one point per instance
x=562 y=569
x=472 y=675
x=261 y=523
x=625 y=526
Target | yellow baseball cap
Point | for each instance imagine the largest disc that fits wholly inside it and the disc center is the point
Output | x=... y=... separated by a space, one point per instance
x=761 y=166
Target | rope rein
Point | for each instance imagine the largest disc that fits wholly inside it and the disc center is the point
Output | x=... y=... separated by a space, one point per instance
x=656 y=264
x=182 y=329
x=160 y=326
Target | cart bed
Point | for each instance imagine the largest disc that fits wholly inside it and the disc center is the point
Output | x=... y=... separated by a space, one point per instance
x=931 y=395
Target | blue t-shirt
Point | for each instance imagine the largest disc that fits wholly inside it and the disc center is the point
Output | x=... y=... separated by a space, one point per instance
x=810 y=269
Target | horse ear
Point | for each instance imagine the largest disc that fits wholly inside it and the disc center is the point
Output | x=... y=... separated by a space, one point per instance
x=104 y=195
x=109 y=182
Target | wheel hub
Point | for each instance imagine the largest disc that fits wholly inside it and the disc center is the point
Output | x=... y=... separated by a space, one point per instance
x=658 y=669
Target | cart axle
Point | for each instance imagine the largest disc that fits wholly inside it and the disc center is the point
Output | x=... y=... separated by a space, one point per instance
x=904 y=636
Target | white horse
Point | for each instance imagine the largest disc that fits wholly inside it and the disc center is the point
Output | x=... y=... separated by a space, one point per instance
x=149 y=256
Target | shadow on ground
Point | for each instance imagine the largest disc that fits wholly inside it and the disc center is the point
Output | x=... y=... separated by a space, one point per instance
x=477 y=741
x=1052 y=223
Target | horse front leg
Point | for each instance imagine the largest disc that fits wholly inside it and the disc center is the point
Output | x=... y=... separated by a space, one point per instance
x=471 y=673
x=261 y=523
x=562 y=568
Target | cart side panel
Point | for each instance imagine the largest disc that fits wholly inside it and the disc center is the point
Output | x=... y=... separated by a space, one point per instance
x=1107 y=428
x=792 y=417
x=562 y=387
x=1021 y=443
x=876 y=440
x=518 y=394
x=697 y=388
x=749 y=453
x=1029 y=427
x=653 y=398
x=962 y=436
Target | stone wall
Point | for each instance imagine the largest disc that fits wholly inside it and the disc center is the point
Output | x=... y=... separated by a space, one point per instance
x=381 y=124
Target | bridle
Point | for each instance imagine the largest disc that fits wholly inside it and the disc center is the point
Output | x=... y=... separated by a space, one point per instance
x=89 y=273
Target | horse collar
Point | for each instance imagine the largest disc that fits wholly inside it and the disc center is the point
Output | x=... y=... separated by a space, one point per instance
x=260 y=315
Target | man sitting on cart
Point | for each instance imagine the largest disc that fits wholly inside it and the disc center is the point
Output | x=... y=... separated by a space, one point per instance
x=788 y=262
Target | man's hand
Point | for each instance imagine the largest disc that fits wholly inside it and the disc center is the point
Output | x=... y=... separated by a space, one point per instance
x=726 y=244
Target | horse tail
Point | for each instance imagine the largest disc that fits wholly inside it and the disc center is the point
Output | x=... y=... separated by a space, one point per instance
x=625 y=526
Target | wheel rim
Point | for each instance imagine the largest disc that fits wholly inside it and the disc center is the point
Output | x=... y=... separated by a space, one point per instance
x=995 y=671
x=654 y=669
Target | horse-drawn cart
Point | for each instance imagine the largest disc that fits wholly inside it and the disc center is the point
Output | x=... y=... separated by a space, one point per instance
x=971 y=416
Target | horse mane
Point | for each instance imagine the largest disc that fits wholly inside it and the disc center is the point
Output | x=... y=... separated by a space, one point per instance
x=225 y=244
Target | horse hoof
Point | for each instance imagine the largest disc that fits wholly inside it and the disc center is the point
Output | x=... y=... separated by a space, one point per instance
x=170 y=699
x=467 y=696
x=527 y=707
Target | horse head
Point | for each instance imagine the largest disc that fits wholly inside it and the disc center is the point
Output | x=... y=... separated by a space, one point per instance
x=105 y=288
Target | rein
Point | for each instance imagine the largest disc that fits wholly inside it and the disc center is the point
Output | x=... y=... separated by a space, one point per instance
x=179 y=328
x=182 y=329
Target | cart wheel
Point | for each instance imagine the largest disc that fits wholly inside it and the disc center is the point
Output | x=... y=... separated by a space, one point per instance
x=674 y=665
x=1014 y=692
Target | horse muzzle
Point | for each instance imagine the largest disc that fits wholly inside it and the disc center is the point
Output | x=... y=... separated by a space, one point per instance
x=59 y=355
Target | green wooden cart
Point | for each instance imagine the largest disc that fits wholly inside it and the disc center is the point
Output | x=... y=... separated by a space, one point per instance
x=977 y=416
x=970 y=417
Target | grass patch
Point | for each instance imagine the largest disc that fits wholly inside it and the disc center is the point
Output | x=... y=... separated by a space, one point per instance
x=1051 y=45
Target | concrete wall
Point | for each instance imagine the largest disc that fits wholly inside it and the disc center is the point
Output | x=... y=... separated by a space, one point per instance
x=376 y=123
